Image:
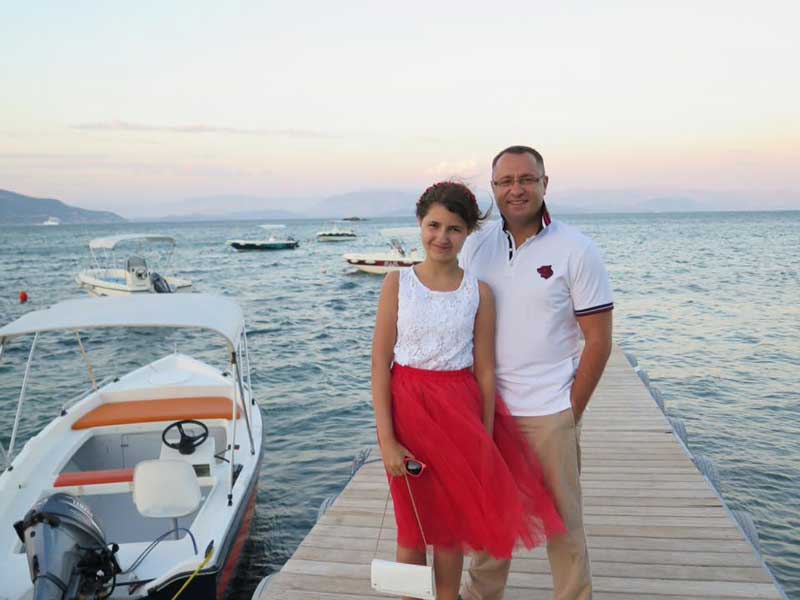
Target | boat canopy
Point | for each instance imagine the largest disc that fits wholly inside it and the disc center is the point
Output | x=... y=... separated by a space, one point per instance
x=176 y=311
x=109 y=243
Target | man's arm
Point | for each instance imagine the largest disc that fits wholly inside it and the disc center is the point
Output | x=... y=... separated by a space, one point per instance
x=596 y=330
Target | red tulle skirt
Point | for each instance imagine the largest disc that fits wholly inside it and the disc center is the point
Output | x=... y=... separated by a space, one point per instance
x=476 y=493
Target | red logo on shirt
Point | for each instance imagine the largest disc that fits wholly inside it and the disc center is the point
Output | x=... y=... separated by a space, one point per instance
x=546 y=271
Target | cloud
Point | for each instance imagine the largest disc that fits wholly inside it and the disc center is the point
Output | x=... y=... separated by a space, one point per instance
x=23 y=156
x=466 y=169
x=23 y=162
x=126 y=126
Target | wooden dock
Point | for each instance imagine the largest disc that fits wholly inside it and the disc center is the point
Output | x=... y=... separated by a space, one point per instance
x=656 y=527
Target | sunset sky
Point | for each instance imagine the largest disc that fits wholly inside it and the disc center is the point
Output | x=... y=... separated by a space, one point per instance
x=125 y=106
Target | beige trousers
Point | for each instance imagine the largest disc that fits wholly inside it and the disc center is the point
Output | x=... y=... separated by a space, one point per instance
x=555 y=438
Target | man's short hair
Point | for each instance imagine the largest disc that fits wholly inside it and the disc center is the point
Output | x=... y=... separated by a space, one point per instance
x=520 y=150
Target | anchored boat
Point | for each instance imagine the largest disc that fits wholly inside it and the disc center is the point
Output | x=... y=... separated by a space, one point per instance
x=395 y=258
x=271 y=243
x=111 y=275
x=333 y=233
x=144 y=486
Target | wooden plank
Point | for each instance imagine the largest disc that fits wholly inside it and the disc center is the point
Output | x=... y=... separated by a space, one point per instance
x=605 y=562
x=655 y=527
x=356 y=578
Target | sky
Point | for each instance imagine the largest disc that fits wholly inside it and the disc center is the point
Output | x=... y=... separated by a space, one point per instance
x=133 y=106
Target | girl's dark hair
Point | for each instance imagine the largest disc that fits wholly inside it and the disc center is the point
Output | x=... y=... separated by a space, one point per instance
x=455 y=197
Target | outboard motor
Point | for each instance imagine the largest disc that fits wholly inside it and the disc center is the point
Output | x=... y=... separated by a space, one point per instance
x=136 y=275
x=67 y=553
x=160 y=284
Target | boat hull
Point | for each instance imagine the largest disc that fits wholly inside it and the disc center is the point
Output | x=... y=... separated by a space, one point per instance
x=215 y=583
x=247 y=246
x=380 y=267
x=335 y=238
x=97 y=287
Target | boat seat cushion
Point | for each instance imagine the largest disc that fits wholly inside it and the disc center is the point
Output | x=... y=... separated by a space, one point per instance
x=94 y=477
x=150 y=411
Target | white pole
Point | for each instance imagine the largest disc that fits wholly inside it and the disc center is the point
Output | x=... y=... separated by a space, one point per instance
x=244 y=405
x=233 y=433
x=3 y=448
x=10 y=453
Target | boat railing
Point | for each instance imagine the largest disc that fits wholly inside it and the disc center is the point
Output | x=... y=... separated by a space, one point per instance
x=85 y=393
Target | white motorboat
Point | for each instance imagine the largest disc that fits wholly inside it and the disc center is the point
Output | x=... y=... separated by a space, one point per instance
x=144 y=486
x=112 y=275
x=397 y=257
x=333 y=233
x=50 y=221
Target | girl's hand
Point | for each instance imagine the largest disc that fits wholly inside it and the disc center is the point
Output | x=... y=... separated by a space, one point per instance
x=393 y=455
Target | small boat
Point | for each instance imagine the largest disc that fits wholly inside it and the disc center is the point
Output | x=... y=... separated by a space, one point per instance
x=272 y=243
x=111 y=275
x=52 y=221
x=394 y=259
x=143 y=486
x=334 y=233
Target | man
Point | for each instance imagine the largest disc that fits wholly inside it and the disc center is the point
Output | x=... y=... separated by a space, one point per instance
x=550 y=285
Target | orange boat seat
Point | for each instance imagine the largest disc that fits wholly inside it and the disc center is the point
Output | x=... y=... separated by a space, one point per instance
x=150 y=411
x=94 y=477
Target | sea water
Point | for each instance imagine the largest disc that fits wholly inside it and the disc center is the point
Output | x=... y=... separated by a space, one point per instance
x=709 y=303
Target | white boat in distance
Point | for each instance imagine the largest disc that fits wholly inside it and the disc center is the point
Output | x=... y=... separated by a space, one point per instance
x=394 y=259
x=333 y=233
x=112 y=275
x=146 y=482
x=52 y=221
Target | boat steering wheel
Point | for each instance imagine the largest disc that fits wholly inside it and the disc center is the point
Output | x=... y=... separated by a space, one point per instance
x=188 y=441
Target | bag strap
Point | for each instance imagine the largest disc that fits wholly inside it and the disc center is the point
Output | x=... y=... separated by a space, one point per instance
x=386 y=506
x=416 y=514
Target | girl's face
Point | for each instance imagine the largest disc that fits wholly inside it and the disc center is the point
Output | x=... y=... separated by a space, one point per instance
x=443 y=233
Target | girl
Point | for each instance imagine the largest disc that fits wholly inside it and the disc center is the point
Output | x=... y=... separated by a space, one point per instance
x=433 y=388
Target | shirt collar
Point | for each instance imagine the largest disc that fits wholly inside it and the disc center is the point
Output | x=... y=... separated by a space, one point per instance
x=546 y=219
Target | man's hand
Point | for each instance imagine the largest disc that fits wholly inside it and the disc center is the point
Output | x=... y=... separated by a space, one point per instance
x=596 y=330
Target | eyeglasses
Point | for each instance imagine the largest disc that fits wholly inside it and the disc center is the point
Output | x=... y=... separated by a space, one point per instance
x=524 y=181
x=414 y=467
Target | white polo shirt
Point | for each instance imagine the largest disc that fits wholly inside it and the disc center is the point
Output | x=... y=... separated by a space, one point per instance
x=539 y=288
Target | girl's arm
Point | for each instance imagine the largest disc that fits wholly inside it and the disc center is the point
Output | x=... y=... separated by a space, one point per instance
x=382 y=353
x=483 y=359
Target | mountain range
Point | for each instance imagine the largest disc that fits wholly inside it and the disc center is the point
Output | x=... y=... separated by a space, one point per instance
x=17 y=209
x=366 y=204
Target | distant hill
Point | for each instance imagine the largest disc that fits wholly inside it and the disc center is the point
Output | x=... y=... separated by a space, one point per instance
x=16 y=209
x=367 y=204
x=364 y=204
x=672 y=204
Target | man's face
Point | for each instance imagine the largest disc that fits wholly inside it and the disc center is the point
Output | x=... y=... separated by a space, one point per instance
x=519 y=187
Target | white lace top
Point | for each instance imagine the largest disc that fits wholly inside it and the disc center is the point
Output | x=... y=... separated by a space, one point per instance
x=435 y=329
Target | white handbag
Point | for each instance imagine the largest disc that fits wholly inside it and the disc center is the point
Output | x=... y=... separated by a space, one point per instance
x=402 y=579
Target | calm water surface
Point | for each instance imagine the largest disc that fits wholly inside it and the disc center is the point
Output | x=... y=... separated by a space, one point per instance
x=709 y=303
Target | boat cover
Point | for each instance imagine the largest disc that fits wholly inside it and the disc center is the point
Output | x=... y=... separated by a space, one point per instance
x=176 y=311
